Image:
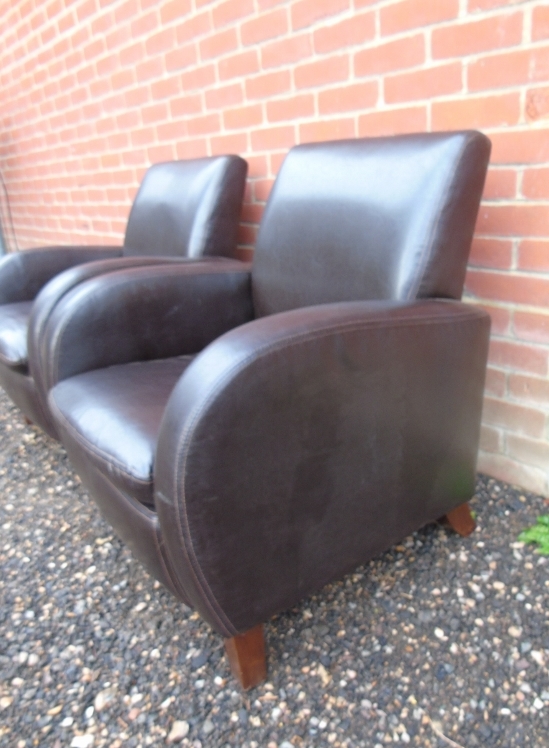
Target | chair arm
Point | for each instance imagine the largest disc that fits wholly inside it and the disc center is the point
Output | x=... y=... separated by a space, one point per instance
x=144 y=313
x=300 y=445
x=60 y=286
x=23 y=274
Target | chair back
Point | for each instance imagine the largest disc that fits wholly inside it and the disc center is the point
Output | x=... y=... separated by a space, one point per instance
x=372 y=218
x=187 y=208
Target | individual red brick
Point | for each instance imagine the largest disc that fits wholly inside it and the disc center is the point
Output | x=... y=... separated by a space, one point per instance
x=155 y=113
x=242 y=64
x=173 y=10
x=233 y=143
x=232 y=10
x=273 y=137
x=531 y=389
x=502 y=467
x=395 y=55
x=530 y=451
x=348 y=98
x=520 y=219
x=144 y=24
x=195 y=148
x=491 y=253
x=472 y=37
x=161 y=42
x=520 y=147
x=224 y=96
x=496 y=380
x=533 y=255
x=512 y=67
x=135 y=97
x=410 y=14
x=500 y=183
x=265 y=26
x=423 y=84
x=327 y=129
x=158 y=153
x=184 y=56
x=306 y=12
x=187 y=104
x=262 y=189
x=393 y=122
x=244 y=254
x=218 y=44
x=171 y=130
x=131 y=54
x=515 y=288
x=286 y=51
x=200 y=77
x=243 y=117
x=531 y=326
x=535 y=184
x=165 y=88
x=189 y=29
x=268 y=85
x=291 y=108
x=491 y=439
x=540 y=22
x=247 y=235
x=484 y=111
x=203 y=125
x=537 y=103
x=152 y=68
x=322 y=72
x=519 y=357
x=126 y=10
x=475 y=5
x=358 y=30
x=516 y=418
x=251 y=213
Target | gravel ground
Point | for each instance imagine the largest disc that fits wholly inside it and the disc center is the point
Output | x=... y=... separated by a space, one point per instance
x=441 y=641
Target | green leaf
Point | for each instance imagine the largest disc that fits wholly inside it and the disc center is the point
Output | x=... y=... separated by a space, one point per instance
x=539 y=534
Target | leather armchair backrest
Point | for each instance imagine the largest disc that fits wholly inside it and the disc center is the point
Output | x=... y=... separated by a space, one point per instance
x=187 y=208
x=372 y=218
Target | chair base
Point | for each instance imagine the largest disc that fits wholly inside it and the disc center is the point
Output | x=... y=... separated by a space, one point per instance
x=246 y=655
x=461 y=520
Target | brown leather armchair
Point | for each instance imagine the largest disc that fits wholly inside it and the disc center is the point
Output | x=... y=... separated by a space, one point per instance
x=254 y=433
x=183 y=209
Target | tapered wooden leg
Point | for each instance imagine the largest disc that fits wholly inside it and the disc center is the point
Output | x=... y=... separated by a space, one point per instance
x=461 y=520
x=246 y=653
x=28 y=421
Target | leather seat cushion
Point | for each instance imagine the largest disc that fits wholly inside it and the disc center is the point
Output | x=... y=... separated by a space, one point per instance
x=114 y=416
x=14 y=323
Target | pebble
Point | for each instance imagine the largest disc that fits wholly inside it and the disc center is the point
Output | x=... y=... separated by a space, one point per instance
x=422 y=634
x=180 y=730
x=104 y=698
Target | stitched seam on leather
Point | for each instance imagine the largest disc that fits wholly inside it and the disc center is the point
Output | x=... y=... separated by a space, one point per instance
x=93 y=450
x=426 y=254
x=460 y=316
x=169 y=575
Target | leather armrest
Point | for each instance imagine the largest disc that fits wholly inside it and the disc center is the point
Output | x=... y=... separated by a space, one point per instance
x=300 y=445
x=144 y=313
x=52 y=293
x=23 y=274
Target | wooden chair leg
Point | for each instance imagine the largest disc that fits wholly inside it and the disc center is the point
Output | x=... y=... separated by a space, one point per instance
x=461 y=520
x=246 y=653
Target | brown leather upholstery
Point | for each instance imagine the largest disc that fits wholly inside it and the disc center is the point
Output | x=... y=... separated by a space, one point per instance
x=336 y=414
x=183 y=209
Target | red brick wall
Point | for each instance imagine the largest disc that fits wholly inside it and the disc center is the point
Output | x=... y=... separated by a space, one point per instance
x=93 y=91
